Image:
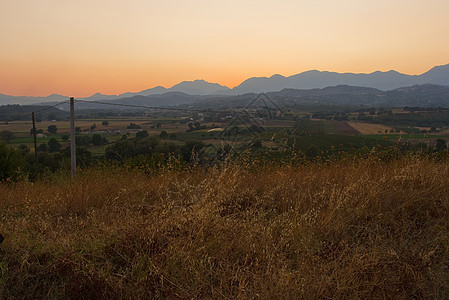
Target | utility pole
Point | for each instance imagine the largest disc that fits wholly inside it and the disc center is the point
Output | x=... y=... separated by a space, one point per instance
x=72 y=138
x=35 y=146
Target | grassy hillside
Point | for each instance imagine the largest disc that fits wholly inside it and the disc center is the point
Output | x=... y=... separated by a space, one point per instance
x=354 y=229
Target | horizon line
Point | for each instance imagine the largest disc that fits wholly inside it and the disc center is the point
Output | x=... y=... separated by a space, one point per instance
x=254 y=77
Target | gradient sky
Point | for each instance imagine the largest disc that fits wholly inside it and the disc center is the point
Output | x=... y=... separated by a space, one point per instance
x=77 y=48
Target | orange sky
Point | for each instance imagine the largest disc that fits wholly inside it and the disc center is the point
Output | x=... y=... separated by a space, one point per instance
x=77 y=48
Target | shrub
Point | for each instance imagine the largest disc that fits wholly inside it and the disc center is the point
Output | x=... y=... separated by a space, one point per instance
x=54 y=145
x=52 y=129
x=11 y=163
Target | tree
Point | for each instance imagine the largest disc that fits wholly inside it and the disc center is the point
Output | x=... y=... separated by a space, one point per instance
x=52 y=129
x=42 y=148
x=105 y=123
x=54 y=145
x=133 y=126
x=77 y=129
x=11 y=162
x=82 y=140
x=83 y=156
x=142 y=134
x=97 y=140
x=163 y=134
x=37 y=131
x=130 y=148
x=93 y=126
x=6 y=135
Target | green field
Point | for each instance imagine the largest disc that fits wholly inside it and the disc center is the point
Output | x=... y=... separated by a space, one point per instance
x=305 y=133
x=309 y=127
x=418 y=136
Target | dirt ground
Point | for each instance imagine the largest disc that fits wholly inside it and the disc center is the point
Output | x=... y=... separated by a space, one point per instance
x=342 y=127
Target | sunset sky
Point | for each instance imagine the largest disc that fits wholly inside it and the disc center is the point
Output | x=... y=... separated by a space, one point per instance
x=77 y=48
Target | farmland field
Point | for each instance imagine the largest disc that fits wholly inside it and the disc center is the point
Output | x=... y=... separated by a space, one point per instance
x=314 y=133
x=313 y=127
x=320 y=127
x=369 y=128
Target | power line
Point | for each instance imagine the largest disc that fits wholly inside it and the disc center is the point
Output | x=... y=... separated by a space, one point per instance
x=261 y=96
x=152 y=107
x=57 y=104
x=149 y=107
x=43 y=109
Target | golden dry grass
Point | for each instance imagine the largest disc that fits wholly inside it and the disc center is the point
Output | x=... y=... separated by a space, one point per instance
x=363 y=229
x=368 y=128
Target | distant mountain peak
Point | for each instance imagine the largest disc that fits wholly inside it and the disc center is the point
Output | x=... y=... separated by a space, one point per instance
x=198 y=87
x=312 y=79
x=56 y=97
x=446 y=66
x=320 y=79
x=393 y=72
x=312 y=72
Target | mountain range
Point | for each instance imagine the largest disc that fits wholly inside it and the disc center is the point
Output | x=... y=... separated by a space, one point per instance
x=313 y=79
x=316 y=79
x=425 y=95
x=331 y=98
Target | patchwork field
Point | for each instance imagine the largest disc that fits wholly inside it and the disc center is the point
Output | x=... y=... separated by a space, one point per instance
x=368 y=128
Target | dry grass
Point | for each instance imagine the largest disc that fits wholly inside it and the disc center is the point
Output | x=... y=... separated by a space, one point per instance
x=362 y=229
x=368 y=128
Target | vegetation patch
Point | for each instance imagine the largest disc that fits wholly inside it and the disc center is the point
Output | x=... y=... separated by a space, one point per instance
x=350 y=229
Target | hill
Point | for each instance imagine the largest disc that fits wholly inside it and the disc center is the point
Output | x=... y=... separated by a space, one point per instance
x=313 y=79
x=316 y=79
x=6 y=99
x=23 y=112
x=418 y=95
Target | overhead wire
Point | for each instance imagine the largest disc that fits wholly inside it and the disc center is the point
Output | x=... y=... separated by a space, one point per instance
x=43 y=109
x=138 y=106
x=245 y=109
x=48 y=107
x=151 y=107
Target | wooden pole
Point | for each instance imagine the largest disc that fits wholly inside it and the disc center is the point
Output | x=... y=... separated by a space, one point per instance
x=36 y=163
x=72 y=139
